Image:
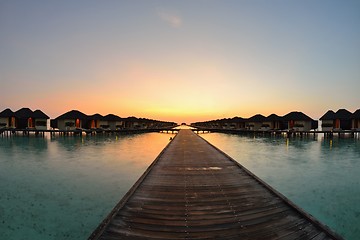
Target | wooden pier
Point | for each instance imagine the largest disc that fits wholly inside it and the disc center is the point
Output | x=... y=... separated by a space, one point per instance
x=195 y=191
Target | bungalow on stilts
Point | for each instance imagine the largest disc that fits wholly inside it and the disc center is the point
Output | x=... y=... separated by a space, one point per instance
x=356 y=120
x=298 y=121
x=71 y=120
x=7 y=119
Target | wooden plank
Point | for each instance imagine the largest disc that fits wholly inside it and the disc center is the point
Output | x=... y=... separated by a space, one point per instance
x=195 y=191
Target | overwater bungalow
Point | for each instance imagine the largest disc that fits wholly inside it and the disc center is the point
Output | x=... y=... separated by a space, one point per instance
x=298 y=121
x=237 y=123
x=255 y=122
x=40 y=119
x=272 y=122
x=153 y=124
x=220 y=123
x=343 y=119
x=227 y=123
x=166 y=124
x=69 y=121
x=328 y=121
x=24 y=118
x=131 y=123
x=113 y=122
x=150 y=123
x=7 y=119
x=356 y=120
x=211 y=124
x=207 y=124
x=95 y=121
x=146 y=123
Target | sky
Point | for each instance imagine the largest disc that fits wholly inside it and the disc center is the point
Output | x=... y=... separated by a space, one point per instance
x=181 y=61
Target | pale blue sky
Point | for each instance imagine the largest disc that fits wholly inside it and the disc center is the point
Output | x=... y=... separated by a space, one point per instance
x=180 y=60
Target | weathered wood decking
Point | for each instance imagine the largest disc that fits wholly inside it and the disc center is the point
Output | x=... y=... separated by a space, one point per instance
x=194 y=191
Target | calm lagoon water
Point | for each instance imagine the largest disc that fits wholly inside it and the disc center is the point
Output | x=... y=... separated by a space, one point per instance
x=322 y=176
x=61 y=188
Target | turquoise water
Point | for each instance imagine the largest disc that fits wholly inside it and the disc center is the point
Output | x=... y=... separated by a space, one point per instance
x=63 y=187
x=322 y=176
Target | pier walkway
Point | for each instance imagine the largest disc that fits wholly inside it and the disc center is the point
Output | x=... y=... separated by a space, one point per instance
x=195 y=191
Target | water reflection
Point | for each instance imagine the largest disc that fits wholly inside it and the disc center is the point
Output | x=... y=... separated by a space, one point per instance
x=62 y=187
x=320 y=175
x=25 y=143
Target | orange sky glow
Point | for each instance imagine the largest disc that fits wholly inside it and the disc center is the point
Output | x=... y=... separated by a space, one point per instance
x=181 y=62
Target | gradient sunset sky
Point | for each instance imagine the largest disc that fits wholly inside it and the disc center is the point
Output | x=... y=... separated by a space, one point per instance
x=181 y=61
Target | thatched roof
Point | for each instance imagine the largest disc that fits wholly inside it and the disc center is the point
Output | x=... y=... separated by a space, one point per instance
x=7 y=113
x=273 y=117
x=343 y=114
x=96 y=116
x=228 y=120
x=112 y=117
x=299 y=116
x=329 y=115
x=356 y=114
x=223 y=120
x=73 y=114
x=40 y=114
x=131 y=119
x=24 y=113
x=238 y=119
x=257 y=118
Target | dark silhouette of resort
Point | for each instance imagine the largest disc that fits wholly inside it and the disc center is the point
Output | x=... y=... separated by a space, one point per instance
x=74 y=121
x=293 y=121
x=27 y=120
